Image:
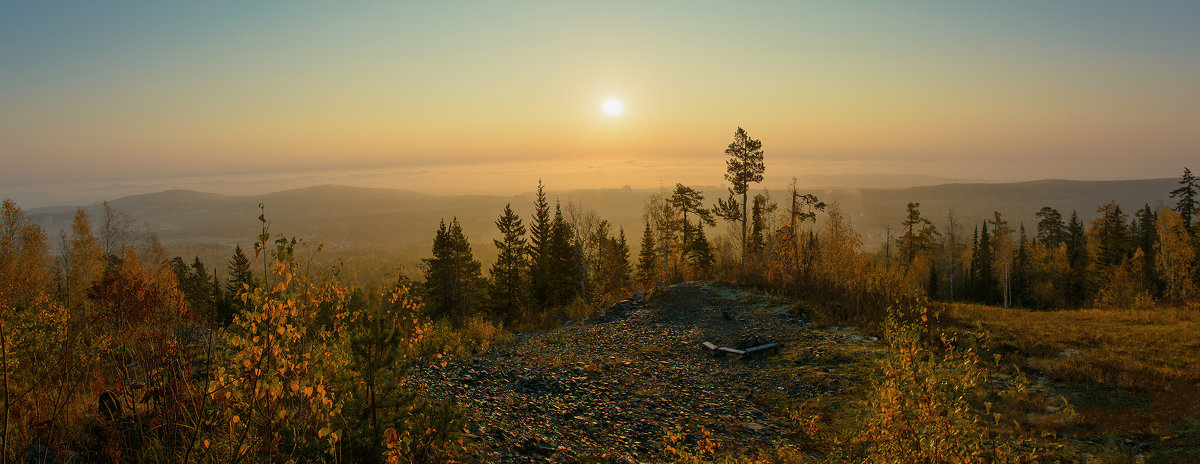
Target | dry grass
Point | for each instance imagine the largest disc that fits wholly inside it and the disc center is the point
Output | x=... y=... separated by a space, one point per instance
x=1127 y=373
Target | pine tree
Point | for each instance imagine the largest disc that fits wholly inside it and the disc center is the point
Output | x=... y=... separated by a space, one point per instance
x=918 y=235
x=1112 y=235
x=700 y=253
x=985 y=280
x=1145 y=236
x=1189 y=199
x=540 y=271
x=1077 y=254
x=1050 y=228
x=763 y=207
x=744 y=166
x=240 y=275
x=622 y=255
x=509 y=271
x=647 y=261
x=454 y=285
x=687 y=200
x=563 y=262
x=1020 y=272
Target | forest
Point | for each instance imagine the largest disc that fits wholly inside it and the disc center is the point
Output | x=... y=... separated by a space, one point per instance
x=113 y=351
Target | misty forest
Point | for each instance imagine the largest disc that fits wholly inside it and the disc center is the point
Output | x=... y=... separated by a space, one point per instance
x=1037 y=322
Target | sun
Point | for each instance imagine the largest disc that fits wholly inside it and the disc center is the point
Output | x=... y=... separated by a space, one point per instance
x=612 y=107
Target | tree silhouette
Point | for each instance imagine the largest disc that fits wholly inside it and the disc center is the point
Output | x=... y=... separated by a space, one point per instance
x=453 y=284
x=1188 y=204
x=509 y=271
x=744 y=166
x=918 y=233
x=647 y=262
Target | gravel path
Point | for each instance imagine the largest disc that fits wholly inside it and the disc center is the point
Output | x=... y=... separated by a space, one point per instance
x=610 y=389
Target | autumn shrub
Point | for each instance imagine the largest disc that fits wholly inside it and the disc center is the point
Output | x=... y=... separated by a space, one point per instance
x=928 y=404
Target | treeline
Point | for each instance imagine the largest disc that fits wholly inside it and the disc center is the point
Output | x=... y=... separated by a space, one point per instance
x=565 y=258
x=810 y=249
x=1113 y=261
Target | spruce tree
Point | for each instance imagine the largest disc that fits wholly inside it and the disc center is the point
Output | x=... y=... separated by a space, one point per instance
x=985 y=278
x=454 y=285
x=509 y=271
x=1145 y=236
x=540 y=271
x=1050 y=228
x=1112 y=235
x=622 y=255
x=563 y=261
x=1020 y=277
x=1188 y=194
x=240 y=275
x=647 y=261
x=1076 y=240
x=700 y=253
x=239 y=280
x=763 y=207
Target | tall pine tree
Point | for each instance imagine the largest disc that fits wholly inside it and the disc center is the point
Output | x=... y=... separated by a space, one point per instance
x=540 y=269
x=511 y=267
x=1188 y=194
x=454 y=285
x=647 y=261
x=744 y=166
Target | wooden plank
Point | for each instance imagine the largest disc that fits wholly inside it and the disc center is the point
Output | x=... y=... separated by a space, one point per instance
x=726 y=349
x=710 y=346
x=760 y=348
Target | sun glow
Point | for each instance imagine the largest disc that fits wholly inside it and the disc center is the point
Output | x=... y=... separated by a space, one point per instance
x=613 y=107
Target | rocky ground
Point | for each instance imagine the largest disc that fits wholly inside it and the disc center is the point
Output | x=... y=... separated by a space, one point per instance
x=611 y=389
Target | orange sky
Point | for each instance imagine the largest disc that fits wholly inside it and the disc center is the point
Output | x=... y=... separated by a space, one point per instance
x=123 y=90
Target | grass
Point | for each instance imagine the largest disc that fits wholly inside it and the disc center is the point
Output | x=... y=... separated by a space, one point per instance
x=1128 y=374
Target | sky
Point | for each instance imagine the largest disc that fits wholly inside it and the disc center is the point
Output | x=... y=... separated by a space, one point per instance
x=101 y=98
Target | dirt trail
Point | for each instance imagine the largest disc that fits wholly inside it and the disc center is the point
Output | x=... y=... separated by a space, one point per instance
x=610 y=389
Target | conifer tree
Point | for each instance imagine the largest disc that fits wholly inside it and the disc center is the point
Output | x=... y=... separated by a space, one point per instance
x=1050 y=228
x=744 y=166
x=454 y=285
x=687 y=200
x=763 y=207
x=1077 y=254
x=981 y=263
x=540 y=270
x=647 y=261
x=240 y=274
x=622 y=255
x=919 y=234
x=563 y=262
x=1145 y=236
x=509 y=271
x=700 y=253
x=1188 y=194
x=1112 y=235
x=1020 y=271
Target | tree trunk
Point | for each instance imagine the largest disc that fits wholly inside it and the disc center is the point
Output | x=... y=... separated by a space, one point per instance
x=744 y=211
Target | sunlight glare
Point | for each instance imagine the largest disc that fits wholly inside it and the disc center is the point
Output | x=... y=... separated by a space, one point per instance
x=613 y=107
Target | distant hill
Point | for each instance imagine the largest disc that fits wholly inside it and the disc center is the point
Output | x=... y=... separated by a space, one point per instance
x=377 y=230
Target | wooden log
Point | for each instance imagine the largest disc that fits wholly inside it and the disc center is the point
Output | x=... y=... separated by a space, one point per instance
x=710 y=346
x=760 y=348
x=726 y=349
